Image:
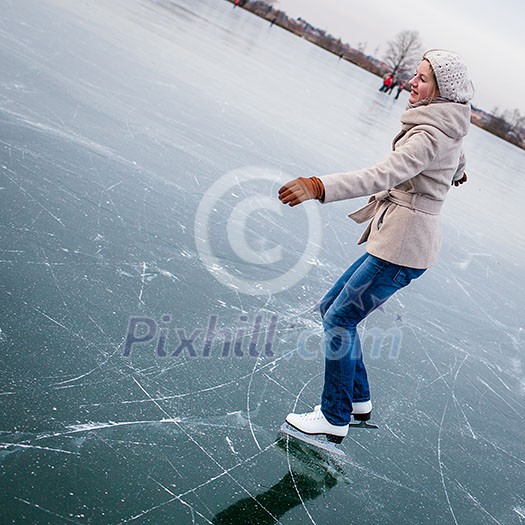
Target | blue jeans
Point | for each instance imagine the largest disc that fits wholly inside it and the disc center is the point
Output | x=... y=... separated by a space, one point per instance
x=367 y=284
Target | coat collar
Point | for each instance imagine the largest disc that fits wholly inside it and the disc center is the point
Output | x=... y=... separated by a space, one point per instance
x=451 y=118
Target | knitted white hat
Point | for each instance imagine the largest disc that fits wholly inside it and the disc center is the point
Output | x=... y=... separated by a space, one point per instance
x=451 y=75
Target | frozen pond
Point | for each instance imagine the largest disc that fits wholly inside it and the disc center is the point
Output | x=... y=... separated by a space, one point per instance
x=159 y=304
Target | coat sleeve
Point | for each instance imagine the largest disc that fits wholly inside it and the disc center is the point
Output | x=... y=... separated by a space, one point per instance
x=461 y=167
x=408 y=160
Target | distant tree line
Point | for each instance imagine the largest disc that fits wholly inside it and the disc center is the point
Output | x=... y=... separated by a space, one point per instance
x=508 y=125
x=265 y=9
x=402 y=56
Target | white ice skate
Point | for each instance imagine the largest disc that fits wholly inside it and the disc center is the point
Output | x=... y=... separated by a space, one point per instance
x=361 y=412
x=314 y=423
x=313 y=428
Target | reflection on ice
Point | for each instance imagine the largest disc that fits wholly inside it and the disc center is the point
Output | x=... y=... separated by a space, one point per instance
x=309 y=476
x=118 y=120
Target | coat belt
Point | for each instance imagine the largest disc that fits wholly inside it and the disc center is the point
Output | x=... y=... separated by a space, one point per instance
x=413 y=201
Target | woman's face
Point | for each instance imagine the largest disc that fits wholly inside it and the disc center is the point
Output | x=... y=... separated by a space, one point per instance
x=423 y=83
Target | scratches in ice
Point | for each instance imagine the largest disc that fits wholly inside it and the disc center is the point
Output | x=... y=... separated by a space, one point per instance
x=440 y=433
x=499 y=396
x=491 y=319
x=248 y=408
x=223 y=471
x=30 y=196
x=290 y=470
x=47 y=511
x=179 y=498
x=62 y=133
x=440 y=463
x=143 y=283
x=109 y=188
x=149 y=271
x=47 y=316
x=88 y=427
x=66 y=383
x=4 y=446
x=476 y=503
x=57 y=284
x=212 y=388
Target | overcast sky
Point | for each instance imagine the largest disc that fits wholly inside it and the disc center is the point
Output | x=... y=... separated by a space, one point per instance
x=489 y=34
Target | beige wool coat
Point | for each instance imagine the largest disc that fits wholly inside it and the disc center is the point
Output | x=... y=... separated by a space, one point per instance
x=409 y=186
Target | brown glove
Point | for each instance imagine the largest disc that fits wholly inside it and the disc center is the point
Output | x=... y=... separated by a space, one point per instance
x=460 y=181
x=300 y=190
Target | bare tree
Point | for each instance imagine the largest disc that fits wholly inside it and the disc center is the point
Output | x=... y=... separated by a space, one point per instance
x=404 y=52
x=515 y=119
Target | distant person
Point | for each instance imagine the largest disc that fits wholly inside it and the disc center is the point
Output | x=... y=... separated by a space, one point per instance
x=387 y=82
x=392 y=86
x=403 y=238
x=400 y=88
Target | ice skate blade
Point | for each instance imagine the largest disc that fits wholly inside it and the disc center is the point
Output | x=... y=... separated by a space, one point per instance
x=318 y=441
x=362 y=417
x=363 y=424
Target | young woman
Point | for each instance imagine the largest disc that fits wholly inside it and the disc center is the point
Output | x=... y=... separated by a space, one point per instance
x=404 y=234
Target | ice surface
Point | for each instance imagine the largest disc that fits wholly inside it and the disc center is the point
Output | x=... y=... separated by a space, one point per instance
x=142 y=145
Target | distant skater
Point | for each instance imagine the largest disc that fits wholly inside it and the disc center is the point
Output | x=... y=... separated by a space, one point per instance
x=392 y=86
x=400 y=88
x=403 y=236
x=387 y=82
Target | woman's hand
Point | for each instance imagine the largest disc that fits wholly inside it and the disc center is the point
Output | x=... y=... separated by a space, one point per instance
x=300 y=190
x=460 y=181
